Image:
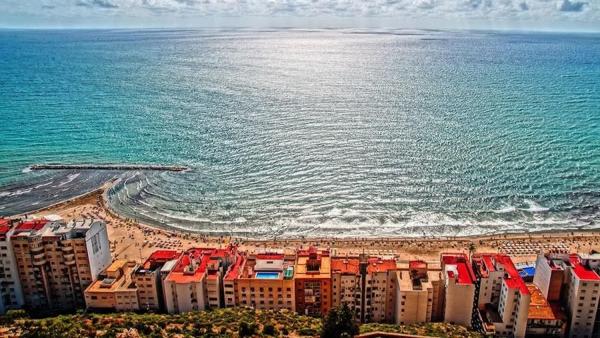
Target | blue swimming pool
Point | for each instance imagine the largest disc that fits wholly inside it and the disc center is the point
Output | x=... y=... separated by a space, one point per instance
x=267 y=275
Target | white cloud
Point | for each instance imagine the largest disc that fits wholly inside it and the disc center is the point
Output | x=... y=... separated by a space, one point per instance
x=139 y=12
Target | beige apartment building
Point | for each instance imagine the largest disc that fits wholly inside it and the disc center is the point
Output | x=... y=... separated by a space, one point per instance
x=114 y=289
x=58 y=261
x=262 y=281
x=312 y=282
x=459 y=288
x=195 y=282
x=367 y=285
x=147 y=278
x=418 y=294
x=346 y=283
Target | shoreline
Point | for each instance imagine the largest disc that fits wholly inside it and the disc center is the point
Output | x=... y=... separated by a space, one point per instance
x=156 y=225
x=134 y=240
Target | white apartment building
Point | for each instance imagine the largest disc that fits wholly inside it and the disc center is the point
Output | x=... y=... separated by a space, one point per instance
x=580 y=289
x=459 y=288
x=502 y=297
x=11 y=295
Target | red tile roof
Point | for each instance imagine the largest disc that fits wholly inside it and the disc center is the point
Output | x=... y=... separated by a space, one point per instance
x=198 y=259
x=163 y=255
x=581 y=271
x=36 y=224
x=4 y=228
x=234 y=270
x=160 y=257
x=345 y=265
x=270 y=256
x=417 y=265
x=488 y=262
x=512 y=279
x=463 y=268
x=380 y=265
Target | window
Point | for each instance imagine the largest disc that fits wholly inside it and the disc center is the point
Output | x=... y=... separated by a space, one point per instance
x=96 y=243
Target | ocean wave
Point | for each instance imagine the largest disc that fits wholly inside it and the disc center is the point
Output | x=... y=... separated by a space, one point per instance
x=505 y=210
x=70 y=178
x=534 y=207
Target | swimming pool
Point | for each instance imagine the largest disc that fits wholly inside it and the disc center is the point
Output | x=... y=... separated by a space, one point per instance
x=267 y=275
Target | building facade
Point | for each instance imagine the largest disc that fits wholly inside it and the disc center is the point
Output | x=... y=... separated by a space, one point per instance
x=58 y=261
x=366 y=285
x=312 y=282
x=11 y=295
x=579 y=291
x=544 y=319
x=263 y=281
x=418 y=294
x=115 y=288
x=147 y=278
x=501 y=303
x=194 y=282
x=459 y=288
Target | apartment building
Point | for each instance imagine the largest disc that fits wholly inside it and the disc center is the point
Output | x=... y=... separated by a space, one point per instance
x=418 y=294
x=502 y=298
x=263 y=281
x=312 y=282
x=114 y=289
x=58 y=261
x=459 y=288
x=230 y=296
x=550 y=275
x=147 y=278
x=195 y=281
x=544 y=319
x=579 y=290
x=366 y=284
x=11 y=295
x=346 y=283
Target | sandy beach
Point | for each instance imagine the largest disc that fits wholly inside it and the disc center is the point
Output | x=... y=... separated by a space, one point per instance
x=136 y=241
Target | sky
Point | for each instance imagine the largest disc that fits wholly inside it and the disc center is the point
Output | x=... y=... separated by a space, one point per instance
x=550 y=15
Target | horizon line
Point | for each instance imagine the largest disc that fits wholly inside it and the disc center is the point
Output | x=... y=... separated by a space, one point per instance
x=323 y=28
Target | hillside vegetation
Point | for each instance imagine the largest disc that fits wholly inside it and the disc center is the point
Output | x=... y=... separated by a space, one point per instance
x=230 y=322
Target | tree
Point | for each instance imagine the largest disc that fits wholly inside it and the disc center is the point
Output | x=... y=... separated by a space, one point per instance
x=246 y=329
x=339 y=323
x=269 y=330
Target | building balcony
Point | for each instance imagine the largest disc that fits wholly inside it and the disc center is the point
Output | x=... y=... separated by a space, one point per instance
x=39 y=262
x=67 y=249
x=36 y=249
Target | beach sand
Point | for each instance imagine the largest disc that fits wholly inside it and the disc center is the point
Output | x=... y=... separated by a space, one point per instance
x=135 y=241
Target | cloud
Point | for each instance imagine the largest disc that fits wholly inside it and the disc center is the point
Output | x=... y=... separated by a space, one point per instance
x=97 y=3
x=571 y=6
x=518 y=13
x=523 y=6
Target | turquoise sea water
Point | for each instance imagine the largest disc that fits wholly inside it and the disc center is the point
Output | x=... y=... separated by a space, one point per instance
x=310 y=133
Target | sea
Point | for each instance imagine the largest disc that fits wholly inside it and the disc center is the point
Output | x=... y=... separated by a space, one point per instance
x=291 y=133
